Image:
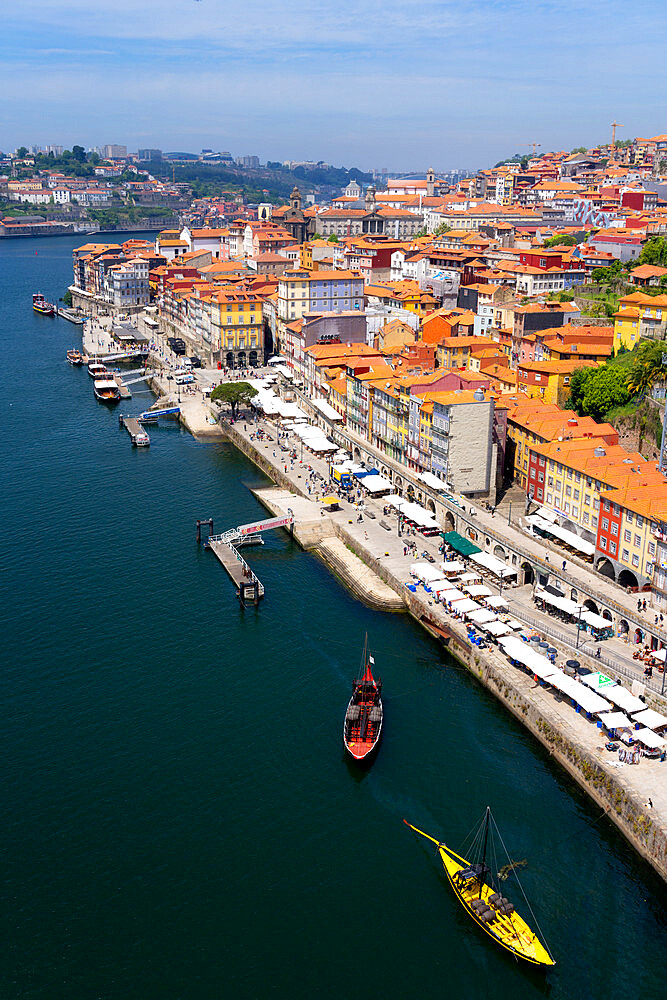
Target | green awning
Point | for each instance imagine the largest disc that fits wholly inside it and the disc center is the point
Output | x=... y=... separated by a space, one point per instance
x=460 y=544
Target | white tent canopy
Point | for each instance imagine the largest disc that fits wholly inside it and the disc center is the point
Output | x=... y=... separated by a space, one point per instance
x=326 y=410
x=375 y=484
x=495 y=566
x=430 y=480
x=497 y=602
x=482 y=616
x=659 y=654
x=425 y=572
x=574 y=541
x=650 y=718
x=496 y=628
x=477 y=590
x=452 y=566
x=649 y=738
x=614 y=720
x=596 y=621
x=562 y=603
x=451 y=596
x=440 y=586
x=467 y=607
x=587 y=699
x=623 y=698
x=518 y=650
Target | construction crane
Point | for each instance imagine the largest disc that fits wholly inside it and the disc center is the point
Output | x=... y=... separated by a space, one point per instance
x=614 y=126
x=534 y=146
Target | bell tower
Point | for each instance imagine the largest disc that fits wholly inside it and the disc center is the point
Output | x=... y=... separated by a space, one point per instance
x=430 y=182
x=295 y=200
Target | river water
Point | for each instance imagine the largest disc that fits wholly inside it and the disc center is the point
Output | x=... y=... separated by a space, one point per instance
x=179 y=820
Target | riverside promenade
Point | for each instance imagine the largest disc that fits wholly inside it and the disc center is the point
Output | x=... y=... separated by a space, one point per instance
x=633 y=796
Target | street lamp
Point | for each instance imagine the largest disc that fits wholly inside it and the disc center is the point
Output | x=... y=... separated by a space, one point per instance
x=509 y=515
x=578 y=626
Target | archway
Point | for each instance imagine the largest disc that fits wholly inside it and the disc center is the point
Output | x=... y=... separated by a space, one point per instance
x=384 y=472
x=252 y=358
x=573 y=595
x=471 y=533
x=605 y=568
x=528 y=572
x=623 y=626
x=229 y=359
x=450 y=524
x=356 y=455
x=241 y=359
x=430 y=505
x=499 y=553
x=410 y=491
x=398 y=483
x=606 y=613
x=591 y=605
x=626 y=578
x=639 y=635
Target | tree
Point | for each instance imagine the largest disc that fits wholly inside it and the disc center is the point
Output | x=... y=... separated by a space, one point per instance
x=560 y=241
x=578 y=380
x=79 y=153
x=441 y=229
x=67 y=299
x=604 y=390
x=578 y=149
x=233 y=393
x=22 y=152
x=333 y=238
x=654 y=252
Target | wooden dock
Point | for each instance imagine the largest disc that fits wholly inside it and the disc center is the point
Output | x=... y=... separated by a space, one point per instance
x=124 y=391
x=138 y=435
x=248 y=586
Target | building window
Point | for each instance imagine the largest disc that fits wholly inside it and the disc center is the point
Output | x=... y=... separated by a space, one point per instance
x=605 y=524
x=640 y=520
x=627 y=536
x=586 y=517
x=628 y=516
x=612 y=548
x=625 y=555
x=576 y=494
x=638 y=540
x=635 y=560
x=594 y=522
x=651 y=548
x=603 y=542
x=606 y=505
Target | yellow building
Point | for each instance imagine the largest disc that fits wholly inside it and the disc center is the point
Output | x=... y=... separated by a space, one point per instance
x=237 y=327
x=640 y=315
x=548 y=380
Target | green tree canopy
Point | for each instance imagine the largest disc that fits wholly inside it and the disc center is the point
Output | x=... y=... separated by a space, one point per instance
x=79 y=153
x=654 y=252
x=604 y=389
x=22 y=152
x=333 y=238
x=442 y=228
x=578 y=380
x=560 y=241
x=233 y=394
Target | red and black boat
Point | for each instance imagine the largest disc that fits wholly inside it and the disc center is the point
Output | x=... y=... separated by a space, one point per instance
x=362 y=728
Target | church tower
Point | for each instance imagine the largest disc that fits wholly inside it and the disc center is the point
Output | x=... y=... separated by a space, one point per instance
x=430 y=182
x=295 y=200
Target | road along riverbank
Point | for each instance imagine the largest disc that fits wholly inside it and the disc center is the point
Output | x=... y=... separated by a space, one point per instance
x=623 y=791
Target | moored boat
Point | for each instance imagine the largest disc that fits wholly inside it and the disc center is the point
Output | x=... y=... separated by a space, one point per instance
x=106 y=389
x=96 y=368
x=362 y=728
x=477 y=889
x=40 y=305
x=75 y=357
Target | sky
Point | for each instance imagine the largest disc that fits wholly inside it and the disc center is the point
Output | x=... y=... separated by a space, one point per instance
x=375 y=83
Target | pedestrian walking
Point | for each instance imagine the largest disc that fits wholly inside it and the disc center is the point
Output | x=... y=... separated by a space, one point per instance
x=564 y=565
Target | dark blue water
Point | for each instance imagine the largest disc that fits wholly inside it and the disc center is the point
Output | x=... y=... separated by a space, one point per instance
x=179 y=821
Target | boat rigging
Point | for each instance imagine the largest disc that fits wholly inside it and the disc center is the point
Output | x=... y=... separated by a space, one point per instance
x=477 y=890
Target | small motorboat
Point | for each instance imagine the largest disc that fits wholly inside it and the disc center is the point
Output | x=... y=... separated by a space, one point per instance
x=96 y=368
x=75 y=357
x=362 y=728
x=40 y=305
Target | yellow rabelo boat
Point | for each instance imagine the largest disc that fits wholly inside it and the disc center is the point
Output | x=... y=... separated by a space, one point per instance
x=474 y=887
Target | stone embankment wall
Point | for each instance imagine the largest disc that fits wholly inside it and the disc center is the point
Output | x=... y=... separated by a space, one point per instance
x=513 y=688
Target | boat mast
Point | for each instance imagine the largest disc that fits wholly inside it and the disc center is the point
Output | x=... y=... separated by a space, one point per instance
x=486 y=835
